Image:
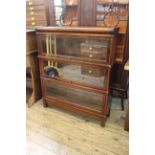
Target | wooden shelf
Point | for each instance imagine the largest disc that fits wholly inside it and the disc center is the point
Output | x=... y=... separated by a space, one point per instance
x=123 y=2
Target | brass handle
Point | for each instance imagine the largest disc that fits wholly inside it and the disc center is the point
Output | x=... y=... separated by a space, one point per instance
x=90 y=55
x=33 y=23
x=90 y=71
x=30 y=3
x=32 y=18
x=90 y=48
x=31 y=13
x=70 y=3
x=31 y=8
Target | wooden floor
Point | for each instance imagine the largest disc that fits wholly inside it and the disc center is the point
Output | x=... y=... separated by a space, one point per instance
x=51 y=131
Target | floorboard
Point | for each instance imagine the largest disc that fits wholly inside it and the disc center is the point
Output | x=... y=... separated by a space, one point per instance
x=53 y=131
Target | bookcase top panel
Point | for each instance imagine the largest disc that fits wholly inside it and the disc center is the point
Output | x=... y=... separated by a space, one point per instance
x=100 y=30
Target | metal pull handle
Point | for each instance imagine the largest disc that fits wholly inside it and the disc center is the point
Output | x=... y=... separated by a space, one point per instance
x=32 y=18
x=30 y=3
x=90 y=48
x=33 y=23
x=90 y=55
x=31 y=8
x=90 y=71
x=31 y=13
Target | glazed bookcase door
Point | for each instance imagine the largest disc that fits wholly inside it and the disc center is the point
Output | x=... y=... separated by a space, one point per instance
x=95 y=77
x=65 y=12
x=93 y=49
x=74 y=96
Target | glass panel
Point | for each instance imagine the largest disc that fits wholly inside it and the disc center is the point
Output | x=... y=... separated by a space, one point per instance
x=119 y=9
x=96 y=49
x=76 y=96
x=87 y=75
x=66 y=12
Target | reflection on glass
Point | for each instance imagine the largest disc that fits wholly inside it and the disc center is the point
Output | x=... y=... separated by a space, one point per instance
x=119 y=8
x=66 y=12
x=76 y=96
x=87 y=75
x=90 y=49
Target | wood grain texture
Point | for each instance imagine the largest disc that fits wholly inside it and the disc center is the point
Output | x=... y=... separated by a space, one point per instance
x=33 y=64
x=126 y=124
x=37 y=13
x=51 y=131
x=31 y=43
x=87 y=13
x=107 y=34
x=103 y=30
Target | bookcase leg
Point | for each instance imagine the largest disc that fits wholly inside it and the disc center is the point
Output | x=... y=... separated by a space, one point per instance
x=103 y=122
x=122 y=103
x=44 y=103
x=109 y=107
